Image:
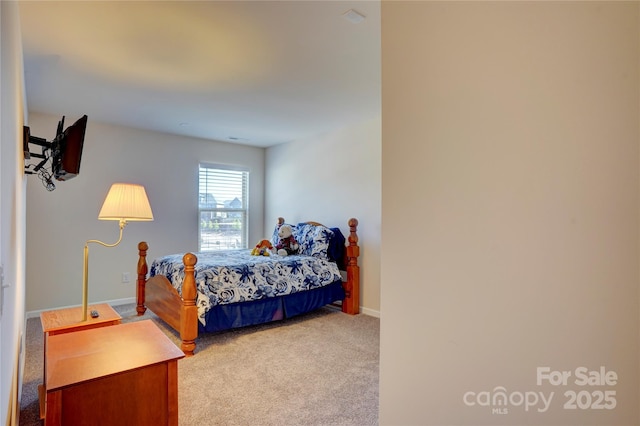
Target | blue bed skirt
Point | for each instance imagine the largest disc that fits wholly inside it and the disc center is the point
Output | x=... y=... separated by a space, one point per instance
x=225 y=317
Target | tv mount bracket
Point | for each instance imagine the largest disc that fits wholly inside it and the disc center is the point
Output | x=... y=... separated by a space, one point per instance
x=44 y=156
x=28 y=139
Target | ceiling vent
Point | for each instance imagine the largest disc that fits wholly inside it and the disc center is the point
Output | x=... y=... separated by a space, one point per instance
x=353 y=16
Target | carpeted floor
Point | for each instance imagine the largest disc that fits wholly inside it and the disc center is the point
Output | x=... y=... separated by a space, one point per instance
x=316 y=369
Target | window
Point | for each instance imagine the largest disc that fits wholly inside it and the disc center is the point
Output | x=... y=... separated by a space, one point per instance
x=223 y=207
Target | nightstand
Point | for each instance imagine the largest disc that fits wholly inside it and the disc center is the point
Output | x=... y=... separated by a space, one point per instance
x=67 y=320
x=121 y=375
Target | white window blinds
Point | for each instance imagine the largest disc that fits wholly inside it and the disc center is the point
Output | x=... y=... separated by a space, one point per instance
x=223 y=207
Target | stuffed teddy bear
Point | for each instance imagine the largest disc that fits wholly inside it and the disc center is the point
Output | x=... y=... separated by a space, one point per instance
x=287 y=243
x=263 y=248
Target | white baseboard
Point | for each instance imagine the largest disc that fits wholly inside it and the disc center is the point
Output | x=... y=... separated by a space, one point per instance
x=370 y=312
x=115 y=302
x=125 y=301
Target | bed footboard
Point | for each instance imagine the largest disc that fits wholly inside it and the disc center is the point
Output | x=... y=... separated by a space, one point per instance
x=142 y=277
x=189 y=310
x=157 y=294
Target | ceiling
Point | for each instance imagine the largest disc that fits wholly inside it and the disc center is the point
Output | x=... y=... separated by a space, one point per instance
x=256 y=73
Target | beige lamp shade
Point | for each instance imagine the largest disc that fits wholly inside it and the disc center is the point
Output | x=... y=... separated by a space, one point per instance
x=126 y=201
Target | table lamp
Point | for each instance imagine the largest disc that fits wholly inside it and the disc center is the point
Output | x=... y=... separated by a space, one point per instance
x=125 y=202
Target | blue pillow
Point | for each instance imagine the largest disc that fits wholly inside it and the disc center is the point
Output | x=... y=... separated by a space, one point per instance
x=314 y=240
x=319 y=241
x=337 y=248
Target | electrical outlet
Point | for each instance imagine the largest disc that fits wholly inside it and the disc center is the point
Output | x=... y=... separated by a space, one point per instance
x=126 y=277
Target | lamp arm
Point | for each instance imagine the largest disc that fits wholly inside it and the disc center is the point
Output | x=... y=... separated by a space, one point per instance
x=85 y=269
x=123 y=223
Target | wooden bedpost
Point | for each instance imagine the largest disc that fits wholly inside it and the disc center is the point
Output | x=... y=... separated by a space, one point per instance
x=189 y=310
x=142 y=276
x=351 y=303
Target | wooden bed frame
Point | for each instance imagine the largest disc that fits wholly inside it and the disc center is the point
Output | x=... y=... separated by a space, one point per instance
x=157 y=294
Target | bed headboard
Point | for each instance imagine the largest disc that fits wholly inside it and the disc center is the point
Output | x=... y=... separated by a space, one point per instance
x=325 y=241
x=349 y=264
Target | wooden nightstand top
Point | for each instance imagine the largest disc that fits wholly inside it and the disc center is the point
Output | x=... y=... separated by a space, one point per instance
x=90 y=354
x=70 y=319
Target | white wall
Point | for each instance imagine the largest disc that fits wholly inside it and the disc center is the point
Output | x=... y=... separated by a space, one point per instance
x=12 y=222
x=331 y=178
x=510 y=180
x=60 y=222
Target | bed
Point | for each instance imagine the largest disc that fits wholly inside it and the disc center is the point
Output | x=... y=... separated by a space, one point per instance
x=216 y=291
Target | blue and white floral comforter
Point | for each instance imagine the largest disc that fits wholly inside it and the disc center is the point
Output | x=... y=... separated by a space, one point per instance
x=224 y=277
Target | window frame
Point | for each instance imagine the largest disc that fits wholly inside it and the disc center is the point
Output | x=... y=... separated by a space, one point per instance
x=223 y=212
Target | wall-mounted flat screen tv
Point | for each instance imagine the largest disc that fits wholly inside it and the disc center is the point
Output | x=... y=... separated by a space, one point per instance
x=67 y=149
